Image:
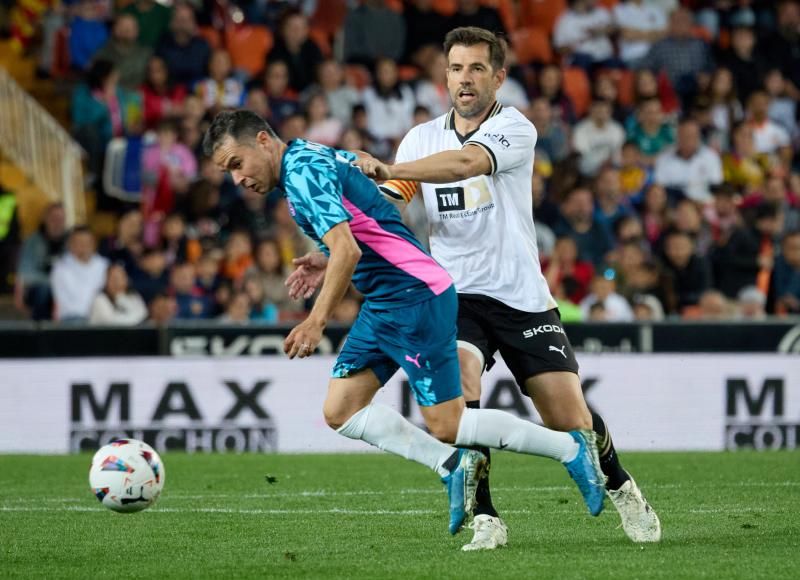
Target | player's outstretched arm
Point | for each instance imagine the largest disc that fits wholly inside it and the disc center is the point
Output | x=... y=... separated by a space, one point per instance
x=344 y=256
x=308 y=276
x=445 y=167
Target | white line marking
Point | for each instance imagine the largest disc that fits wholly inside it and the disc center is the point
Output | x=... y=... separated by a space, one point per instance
x=333 y=511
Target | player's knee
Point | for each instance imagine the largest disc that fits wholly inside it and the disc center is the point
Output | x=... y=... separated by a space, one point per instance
x=445 y=431
x=336 y=416
x=568 y=421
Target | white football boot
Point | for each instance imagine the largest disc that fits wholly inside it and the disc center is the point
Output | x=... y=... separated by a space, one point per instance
x=490 y=533
x=639 y=520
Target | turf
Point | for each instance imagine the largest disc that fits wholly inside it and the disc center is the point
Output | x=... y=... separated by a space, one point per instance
x=375 y=516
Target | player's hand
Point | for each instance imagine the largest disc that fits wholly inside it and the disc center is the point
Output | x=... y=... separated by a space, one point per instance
x=308 y=276
x=374 y=169
x=303 y=339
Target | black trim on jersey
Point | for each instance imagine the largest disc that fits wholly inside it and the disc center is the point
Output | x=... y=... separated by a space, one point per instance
x=489 y=152
x=450 y=122
x=388 y=192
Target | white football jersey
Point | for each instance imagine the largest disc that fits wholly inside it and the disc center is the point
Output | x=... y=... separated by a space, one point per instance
x=481 y=229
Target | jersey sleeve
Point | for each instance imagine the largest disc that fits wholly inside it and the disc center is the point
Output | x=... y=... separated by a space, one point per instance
x=507 y=141
x=313 y=187
x=400 y=191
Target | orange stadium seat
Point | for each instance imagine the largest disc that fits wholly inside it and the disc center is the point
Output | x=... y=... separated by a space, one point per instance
x=248 y=46
x=625 y=87
x=357 y=76
x=395 y=5
x=532 y=45
x=211 y=36
x=407 y=73
x=446 y=7
x=541 y=13
x=322 y=40
x=507 y=11
x=329 y=16
x=578 y=89
x=608 y=4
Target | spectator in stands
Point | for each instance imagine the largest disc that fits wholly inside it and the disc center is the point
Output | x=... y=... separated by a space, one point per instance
x=129 y=57
x=564 y=269
x=650 y=279
x=183 y=49
x=126 y=246
x=168 y=168
x=746 y=63
x=769 y=137
x=604 y=291
x=690 y=169
x=431 y=90
x=221 y=89
x=647 y=308
x=734 y=257
x=271 y=274
x=550 y=87
x=321 y=126
x=785 y=284
x=153 y=20
x=163 y=309
x=475 y=13
x=238 y=258
x=39 y=252
x=388 y=102
x=294 y=47
x=161 y=97
x=77 y=276
x=577 y=221
x=552 y=134
x=116 y=304
x=100 y=111
x=237 y=310
x=282 y=100
x=256 y=101
x=649 y=130
x=598 y=138
x=685 y=59
x=691 y=274
x=373 y=31
x=583 y=34
x=175 y=242
x=208 y=279
x=655 y=213
x=606 y=87
x=712 y=305
x=742 y=166
x=330 y=82
x=782 y=48
x=782 y=107
x=150 y=278
x=635 y=177
x=725 y=110
x=425 y=28
x=262 y=310
x=192 y=303
x=751 y=303
x=249 y=213
x=639 y=24
x=611 y=205
x=776 y=192
x=87 y=33
x=289 y=237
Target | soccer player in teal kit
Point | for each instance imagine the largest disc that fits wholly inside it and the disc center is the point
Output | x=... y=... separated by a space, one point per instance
x=408 y=319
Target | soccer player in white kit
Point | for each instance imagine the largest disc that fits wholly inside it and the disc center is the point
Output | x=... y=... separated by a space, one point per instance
x=473 y=167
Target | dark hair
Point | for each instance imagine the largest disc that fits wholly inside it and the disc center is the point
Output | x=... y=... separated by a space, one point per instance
x=240 y=125
x=472 y=35
x=98 y=73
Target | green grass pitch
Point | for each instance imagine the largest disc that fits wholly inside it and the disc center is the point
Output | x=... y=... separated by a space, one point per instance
x=724 y=515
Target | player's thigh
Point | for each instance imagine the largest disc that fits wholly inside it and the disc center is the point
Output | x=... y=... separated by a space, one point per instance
x=558 y=398
x=421 y=339
x=347 y=396
x=475 y=346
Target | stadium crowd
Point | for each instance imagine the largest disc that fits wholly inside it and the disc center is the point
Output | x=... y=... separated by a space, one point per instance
x=666 y=178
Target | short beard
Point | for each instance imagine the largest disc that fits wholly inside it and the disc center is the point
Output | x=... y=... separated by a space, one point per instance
x=473 y=110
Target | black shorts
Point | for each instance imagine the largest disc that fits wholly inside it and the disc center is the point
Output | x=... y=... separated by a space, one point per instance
x=531 y=343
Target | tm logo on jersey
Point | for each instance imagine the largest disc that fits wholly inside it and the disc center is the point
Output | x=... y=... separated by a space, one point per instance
x=474 y=196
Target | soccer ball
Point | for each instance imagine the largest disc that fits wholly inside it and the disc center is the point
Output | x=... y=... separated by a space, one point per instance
x=127 y=475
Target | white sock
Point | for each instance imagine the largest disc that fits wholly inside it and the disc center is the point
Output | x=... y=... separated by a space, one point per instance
x=388 y=430
x=501 y=430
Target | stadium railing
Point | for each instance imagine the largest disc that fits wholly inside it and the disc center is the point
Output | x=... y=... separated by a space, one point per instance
x=33 y=140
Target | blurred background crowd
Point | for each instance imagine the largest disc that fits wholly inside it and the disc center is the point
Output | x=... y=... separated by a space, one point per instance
x=666 y=177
